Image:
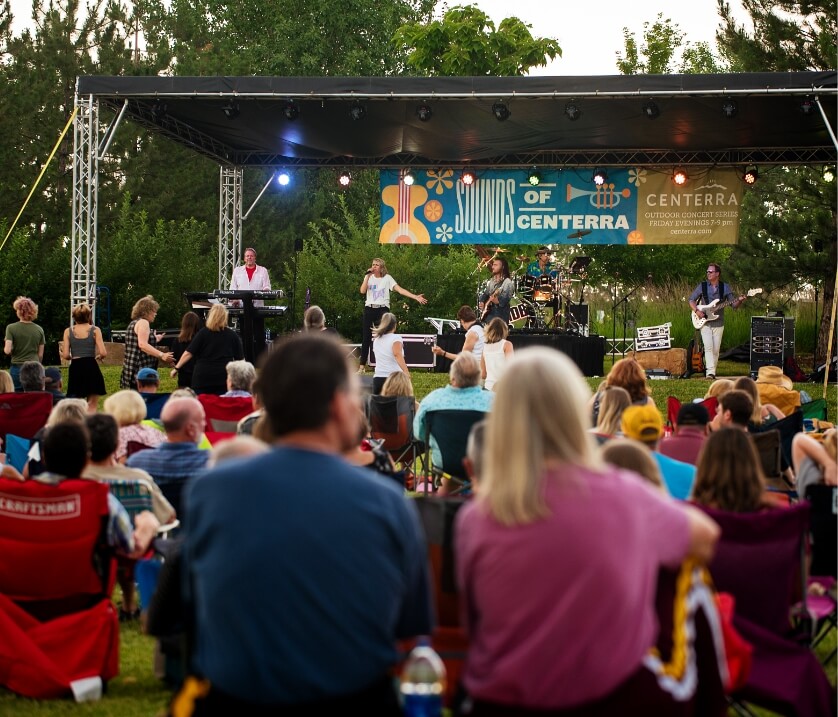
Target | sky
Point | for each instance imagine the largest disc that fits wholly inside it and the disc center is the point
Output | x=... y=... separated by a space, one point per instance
x=589 y=33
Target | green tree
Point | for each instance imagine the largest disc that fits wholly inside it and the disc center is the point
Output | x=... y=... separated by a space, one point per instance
x=465 y=42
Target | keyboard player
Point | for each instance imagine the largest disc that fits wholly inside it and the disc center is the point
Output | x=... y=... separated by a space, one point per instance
x=251 y=277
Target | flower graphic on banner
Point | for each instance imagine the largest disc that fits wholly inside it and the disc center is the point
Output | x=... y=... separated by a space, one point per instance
x=444 y=233
x=440 y=180
x=637 y=176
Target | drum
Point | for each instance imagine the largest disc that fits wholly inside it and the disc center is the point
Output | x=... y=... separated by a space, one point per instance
x=521 y=313
x=525 y=285
x=543 y=289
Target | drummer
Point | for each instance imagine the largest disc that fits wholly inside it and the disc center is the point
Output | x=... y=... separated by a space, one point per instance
x=542 y=266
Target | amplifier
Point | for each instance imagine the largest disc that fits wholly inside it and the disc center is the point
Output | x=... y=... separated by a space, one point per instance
x=772 y=341
x=579 y=314
x=418 y=350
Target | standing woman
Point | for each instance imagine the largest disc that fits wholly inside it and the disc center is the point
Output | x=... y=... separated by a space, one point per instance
x=190 y=325
x=24 y=338
x=213 y=347
x=388 y=348
x=496 y=352
x=141 y=343
x=83 y=346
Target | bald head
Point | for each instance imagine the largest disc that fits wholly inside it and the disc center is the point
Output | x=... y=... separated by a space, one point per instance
x=183 y=419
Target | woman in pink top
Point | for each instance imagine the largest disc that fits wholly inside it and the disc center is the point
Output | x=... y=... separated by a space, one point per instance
x=558 y=555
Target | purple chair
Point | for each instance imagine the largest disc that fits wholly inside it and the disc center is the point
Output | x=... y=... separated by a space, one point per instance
x=760 y=560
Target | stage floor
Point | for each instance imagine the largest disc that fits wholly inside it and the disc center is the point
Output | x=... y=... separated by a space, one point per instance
x=587 y=352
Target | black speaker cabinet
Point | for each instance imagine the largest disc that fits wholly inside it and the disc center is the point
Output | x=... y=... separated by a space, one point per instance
x=418 y=350
x=772 y=341
x=580 y=315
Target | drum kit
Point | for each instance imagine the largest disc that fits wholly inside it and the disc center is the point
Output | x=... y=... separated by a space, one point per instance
x=539 y=303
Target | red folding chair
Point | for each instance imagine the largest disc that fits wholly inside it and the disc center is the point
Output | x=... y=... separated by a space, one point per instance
x=24 y=414
x=223 y=414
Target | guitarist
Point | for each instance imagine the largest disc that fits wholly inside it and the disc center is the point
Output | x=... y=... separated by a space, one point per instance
x=711 y=333
x=495 y=297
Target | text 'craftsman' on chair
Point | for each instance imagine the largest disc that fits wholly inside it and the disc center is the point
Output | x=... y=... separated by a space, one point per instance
x=391 y=421
x=448 y=430
x=57 y=621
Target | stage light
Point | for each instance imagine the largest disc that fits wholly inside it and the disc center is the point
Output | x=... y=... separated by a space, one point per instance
x=357 y=111
x=807 y=106
x=679 y=177
x=750 y=175
x=283 y=179
x=291 y=110
x=345 y=179
x=600 y=177
x=572 y=111
x=424 y=112
x=159 y=110
x=468 y=177
x=828 y=174
x=231 y=109
x=500 y=111
x=407 y=178
x=651 y=109
x=729 y=108
x=534 y=178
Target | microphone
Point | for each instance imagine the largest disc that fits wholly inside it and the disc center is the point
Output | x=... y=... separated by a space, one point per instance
x=369 y=271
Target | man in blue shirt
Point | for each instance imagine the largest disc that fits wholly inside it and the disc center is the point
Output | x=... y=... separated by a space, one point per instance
x=301 y=570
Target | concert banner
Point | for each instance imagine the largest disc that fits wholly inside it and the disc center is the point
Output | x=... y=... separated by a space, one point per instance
x=633 y=206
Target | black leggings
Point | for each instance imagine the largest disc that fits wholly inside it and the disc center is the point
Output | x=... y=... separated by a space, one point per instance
x=372 y=317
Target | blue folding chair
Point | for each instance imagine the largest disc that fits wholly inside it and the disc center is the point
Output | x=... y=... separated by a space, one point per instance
x=17 y=450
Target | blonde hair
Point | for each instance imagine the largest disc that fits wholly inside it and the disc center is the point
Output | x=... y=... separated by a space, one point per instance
x=524 y=432
x=497 y=330
x=217 y=318
x=749 y=386
x=383 y=269
x=614 y=401
x=397 y=383
x=25 y=308
x=314 y=319
x=633 y=456
x=126 y=406
x=68 y=410
x=719 y=387
x=144 y=307
x=387 y=325
x=6 y=383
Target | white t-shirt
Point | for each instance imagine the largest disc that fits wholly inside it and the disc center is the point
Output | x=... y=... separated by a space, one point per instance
x=385 y=360
x=477 y=349
x=378 y=290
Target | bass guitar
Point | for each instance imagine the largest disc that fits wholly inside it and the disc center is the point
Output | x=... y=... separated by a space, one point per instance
x=715 y=305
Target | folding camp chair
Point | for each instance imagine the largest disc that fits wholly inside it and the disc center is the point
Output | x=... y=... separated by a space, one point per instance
x=449 y=429
x=815 y=409
x=391 y=422
x=823 y=528
x=760 y=560
x=24 y=414
x=223 y=414
x=154 y=403
x=673 y=405
x=788 y=427
x=136 y=496
x=17 y=450
x=768 y=447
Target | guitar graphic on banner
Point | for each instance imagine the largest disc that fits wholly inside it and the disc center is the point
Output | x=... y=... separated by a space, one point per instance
x=403 y=227
x=708 y=309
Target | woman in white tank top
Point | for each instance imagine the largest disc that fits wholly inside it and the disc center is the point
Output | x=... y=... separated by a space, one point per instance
x=496 y=352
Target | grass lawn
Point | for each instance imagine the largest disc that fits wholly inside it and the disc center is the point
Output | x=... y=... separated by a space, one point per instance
x=137 y=693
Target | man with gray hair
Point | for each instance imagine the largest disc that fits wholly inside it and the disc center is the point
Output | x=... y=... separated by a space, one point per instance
x=240 y=377
x=462 y=394
x=32 y=376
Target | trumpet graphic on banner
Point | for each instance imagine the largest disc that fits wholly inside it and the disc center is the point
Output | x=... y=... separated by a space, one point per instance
x=603 y=197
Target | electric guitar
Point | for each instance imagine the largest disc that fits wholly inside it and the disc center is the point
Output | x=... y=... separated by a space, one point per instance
x=488 y=304
x=708 y=309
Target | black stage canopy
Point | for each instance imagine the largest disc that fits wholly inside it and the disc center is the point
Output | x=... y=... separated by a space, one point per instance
x=772 y=118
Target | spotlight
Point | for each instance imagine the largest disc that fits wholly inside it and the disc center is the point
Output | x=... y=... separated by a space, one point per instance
x=679 y=177
x=600 y=177
x=424 y=112
x=468 y=177
x=651 y=109
x=357 y=111
x=729 y=108
x=534 y=178
x=407 y=178
x=283 y=179
x=231 y=109
x=291 y=110
x=344 y=179
x=572 y=111
x=159 y=110
x=828 y=174
x=807 y=106
x=750 y=175
x=500 y=111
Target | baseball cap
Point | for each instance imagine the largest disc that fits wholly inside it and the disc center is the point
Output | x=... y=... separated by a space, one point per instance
x=147 y=374
x=52 y=376
x=642 y=423
x=693 y=414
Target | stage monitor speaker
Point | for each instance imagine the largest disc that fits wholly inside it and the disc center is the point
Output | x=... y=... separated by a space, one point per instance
x=772 y=341
x=418 y=350
x=581 y=315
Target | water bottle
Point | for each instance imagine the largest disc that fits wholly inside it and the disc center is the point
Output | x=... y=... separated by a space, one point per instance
x=423 y=681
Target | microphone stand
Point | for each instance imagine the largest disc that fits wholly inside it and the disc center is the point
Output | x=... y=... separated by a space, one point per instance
x=624 y=302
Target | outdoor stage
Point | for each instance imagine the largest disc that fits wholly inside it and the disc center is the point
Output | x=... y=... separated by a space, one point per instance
x=587 y=352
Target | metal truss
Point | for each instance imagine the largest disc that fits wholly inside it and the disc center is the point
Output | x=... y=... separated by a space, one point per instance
x=85 y=202
x=229 y=223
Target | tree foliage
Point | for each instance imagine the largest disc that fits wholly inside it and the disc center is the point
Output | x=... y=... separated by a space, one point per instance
x=465 y=42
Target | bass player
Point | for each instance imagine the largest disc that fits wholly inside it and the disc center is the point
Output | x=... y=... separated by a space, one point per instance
x=705 y=293
x=495 y=297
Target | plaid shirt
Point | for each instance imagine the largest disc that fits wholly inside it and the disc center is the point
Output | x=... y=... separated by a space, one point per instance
x=135 y=359
x=170 y=462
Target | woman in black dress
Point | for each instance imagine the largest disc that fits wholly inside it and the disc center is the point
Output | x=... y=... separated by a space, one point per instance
x=190 y=324
x=213 y=347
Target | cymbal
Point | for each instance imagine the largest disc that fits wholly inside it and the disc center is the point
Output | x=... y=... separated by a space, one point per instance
x=522 y=258
x=499 y=250
x=578 y=235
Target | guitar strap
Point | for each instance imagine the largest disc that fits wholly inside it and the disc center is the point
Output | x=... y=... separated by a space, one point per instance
x=704 y=293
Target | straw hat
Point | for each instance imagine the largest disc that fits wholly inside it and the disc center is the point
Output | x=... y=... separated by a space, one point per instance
x=775 y=376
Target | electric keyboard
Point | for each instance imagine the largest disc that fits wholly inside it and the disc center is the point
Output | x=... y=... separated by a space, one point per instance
x=234 y=294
